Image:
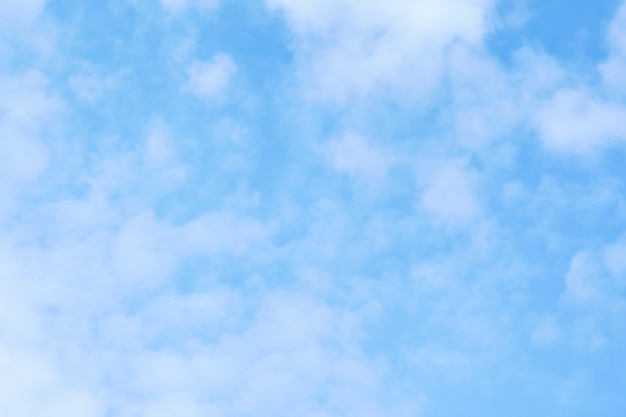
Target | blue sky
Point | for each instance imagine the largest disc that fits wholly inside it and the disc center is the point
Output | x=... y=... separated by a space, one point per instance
x=316 y=208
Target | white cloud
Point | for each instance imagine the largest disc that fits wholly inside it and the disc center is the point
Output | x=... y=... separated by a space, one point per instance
x=135 y=252
x=583 y=281
x=617 y=30
x=25 y=29
x=455 y=366
x=210 y=79
x=354 y=49
x=538 y=73
x=576 y=121
x=142 y=255
x=159 y=147
x=25 y=101
x=120 y=299
x=22 y=158
x=589 y=334
x=546 y=331
x=420 y=19
x=582 y=118
x=25 y=109
x=19 y=11
x=490 y=100
x=612 y=71
x=199 y=312
x=178 y=6
x=615 y=258
x=352 y=154
x=91 y=87
x=449 y=197
x=160 y=156
x=614 y=67
x=222 y=231
x=513 y=192
x=37 y=388
x=178 y=404
x=290 y=351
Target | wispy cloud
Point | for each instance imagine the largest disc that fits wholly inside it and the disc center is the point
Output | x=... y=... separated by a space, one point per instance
x=315 y=208
x=210 y=79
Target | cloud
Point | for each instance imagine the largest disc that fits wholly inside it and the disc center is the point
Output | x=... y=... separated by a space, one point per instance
x=92 y=87
x=546 y=332
x=491 y=100
x=581 y=278
x=35 y=376
x=352 y=154
x=223 y=231
x=19 y=12
x=159 y=148
x=397 y=46
x=587 y=281
x=444 y=20
x=25 y=30
x=484 y=107
x=453 y=366
x=449 y=197
x=210 y=79
x=179 y=6
x=160 y=257
x=615 y=258
x=26 y=109
x=576 y=121
x=613 y=68
x=284 y=354
x=141 y=253
x=581 y=117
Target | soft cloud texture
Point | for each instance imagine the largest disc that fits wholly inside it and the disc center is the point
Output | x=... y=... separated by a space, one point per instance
x=313 y=208
x=178 y=6
x=576 y=122
x=353 y=155
x=398 y=47
x=14 y=12
x=616 y=63
x=449 y=196
x=210 y=79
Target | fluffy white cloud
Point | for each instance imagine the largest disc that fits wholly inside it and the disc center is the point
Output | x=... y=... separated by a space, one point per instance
x=19 y=11
x=210 y=79
x=583 y=118
x=281 y=355
x=594 y=285
x=615 y=258
x=352 y=154
x=142 y=255
x=449 y=196
x=27 y=109
x=576 y=121
x=584 y=279
x=614 y=67
x=261 y=292
x=36 y=387
x=420 y=19
x=159 y=147
x=353 y=48
x=491 y=100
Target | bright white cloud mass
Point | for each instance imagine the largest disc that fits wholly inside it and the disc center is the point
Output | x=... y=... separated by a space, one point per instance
x=330 y=208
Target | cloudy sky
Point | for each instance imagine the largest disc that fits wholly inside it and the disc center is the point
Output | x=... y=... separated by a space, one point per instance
x=312 y=208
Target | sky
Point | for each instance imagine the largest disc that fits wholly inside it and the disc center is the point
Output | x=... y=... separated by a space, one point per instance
x=312 y=208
